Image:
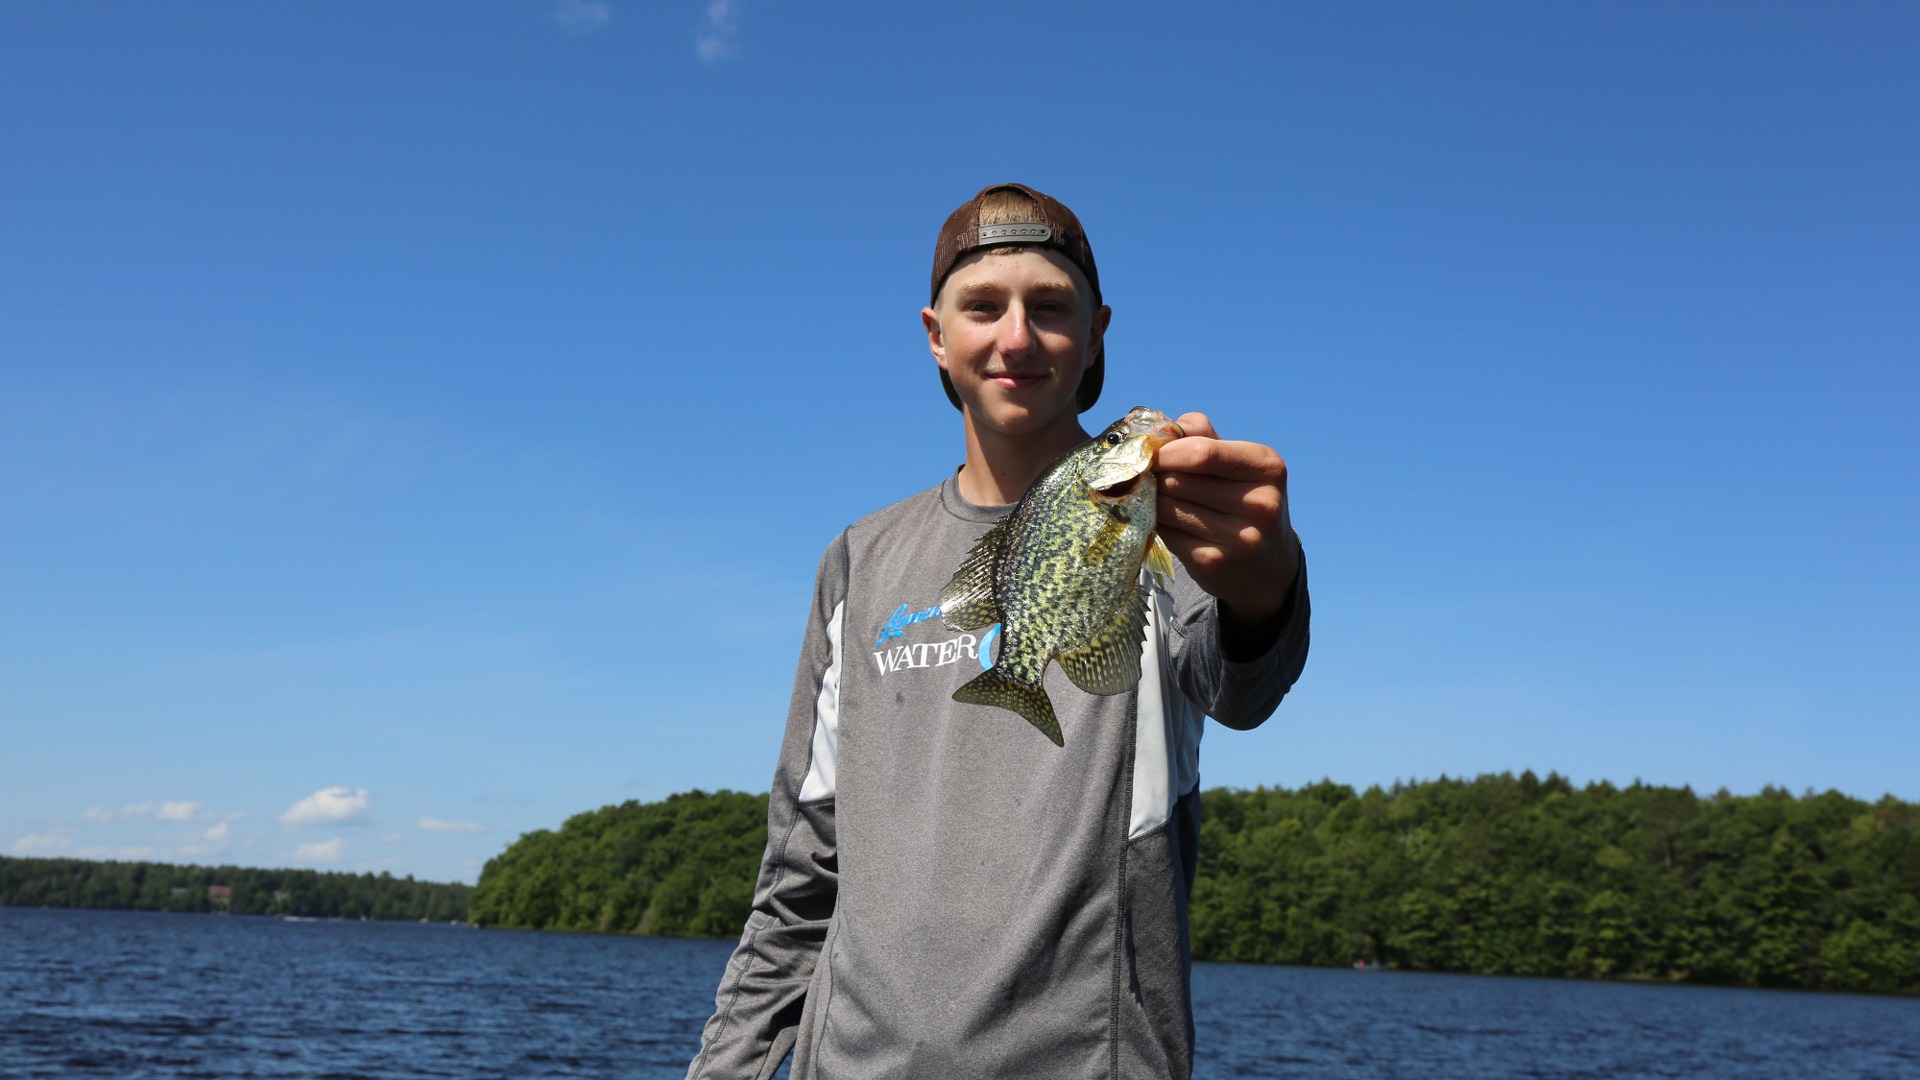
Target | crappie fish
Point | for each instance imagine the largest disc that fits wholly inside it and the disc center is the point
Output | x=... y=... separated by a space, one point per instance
x=1061 y=574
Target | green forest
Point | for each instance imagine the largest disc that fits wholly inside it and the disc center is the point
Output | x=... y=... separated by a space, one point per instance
x=1524 y=876
x=1500 y=874
x=680 y=868
x=145 y=886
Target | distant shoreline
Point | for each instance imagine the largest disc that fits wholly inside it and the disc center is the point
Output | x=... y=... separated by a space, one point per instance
x=193 y=889
x=1498 y=875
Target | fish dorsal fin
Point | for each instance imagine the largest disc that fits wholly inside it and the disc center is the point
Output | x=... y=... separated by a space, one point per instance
x=1160 y=561
x=1110 y=662
x=968 y=603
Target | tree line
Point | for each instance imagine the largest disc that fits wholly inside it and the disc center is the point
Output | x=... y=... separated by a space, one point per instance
x=684 y=867
x=149 y=886
x=1499 y=874
x=1525 y=876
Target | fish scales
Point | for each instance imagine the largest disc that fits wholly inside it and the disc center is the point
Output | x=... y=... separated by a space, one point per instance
x=1061 y=574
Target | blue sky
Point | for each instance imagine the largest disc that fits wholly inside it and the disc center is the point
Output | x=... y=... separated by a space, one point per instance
x=420 y=423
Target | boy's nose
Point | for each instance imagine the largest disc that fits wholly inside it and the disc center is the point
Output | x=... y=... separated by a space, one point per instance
x=1016 y=335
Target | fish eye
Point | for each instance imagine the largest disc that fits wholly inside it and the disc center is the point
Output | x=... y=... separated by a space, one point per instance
x=1113 y=438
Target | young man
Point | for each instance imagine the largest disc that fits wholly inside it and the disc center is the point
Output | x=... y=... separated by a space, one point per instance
x=945 y=893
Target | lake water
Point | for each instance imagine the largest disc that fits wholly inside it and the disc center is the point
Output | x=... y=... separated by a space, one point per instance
x=140 y=994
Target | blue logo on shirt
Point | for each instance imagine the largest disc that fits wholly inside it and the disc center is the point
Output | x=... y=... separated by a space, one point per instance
x=930 y=655
x=901 y=619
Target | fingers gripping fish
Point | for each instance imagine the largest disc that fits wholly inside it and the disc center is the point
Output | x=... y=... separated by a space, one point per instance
x=1061 y=574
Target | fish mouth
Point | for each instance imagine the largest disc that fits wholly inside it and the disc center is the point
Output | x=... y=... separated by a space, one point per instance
x=1138 y=438
x=1165 y=433
x=1158 y=428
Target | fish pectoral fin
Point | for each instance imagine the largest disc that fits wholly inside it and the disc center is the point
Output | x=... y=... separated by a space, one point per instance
x=1109 y=663
x=993 y=687
x=1160 y=561
x=967 y=602
x=1098 y=549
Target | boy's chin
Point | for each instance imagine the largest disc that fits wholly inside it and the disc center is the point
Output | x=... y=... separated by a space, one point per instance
x=1022 y=411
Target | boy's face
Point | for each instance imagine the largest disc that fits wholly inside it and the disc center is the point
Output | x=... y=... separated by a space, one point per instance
x=1013 y=332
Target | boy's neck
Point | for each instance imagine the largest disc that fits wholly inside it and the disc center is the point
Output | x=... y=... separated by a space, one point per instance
x=1000 y=467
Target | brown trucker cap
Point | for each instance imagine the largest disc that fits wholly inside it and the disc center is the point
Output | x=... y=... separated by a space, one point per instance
x=1053 y=226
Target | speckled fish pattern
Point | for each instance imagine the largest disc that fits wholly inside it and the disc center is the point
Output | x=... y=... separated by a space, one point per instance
x=1061 y=574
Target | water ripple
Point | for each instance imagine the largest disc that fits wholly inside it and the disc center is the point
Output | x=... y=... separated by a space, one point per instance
x=120 y=994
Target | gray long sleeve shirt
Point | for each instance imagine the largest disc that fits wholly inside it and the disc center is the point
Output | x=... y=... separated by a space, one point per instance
x=944 y=892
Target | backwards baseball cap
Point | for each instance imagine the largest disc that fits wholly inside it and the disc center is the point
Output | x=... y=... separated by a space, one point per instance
x=1050 y=224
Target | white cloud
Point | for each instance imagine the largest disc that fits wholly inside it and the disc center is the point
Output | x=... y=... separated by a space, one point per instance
x=177 y=811
x=40 y=845
x=427 y=824
x=582 y=16
x=217 y=834
x=326 y=806
x=393 y=838
x=329 y=851
x=716 y=40
x=170 y=810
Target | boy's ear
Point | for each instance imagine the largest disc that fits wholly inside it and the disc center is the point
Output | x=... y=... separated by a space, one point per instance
x=936 y=342
x=1097 y=332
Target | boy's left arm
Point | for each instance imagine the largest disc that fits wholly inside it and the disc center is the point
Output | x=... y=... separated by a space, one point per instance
x=1223 y=513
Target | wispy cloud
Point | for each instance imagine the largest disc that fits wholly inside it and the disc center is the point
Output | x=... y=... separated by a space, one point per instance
x=170 y=810
x=325 y=851
x=582 y=16
x=40 y=845
x=427 y=824
x=211 y=832
x=719 y=34
x=177 y=811
x=327 y=806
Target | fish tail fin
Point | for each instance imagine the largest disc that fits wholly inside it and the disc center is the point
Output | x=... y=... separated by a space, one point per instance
x=991 y=687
